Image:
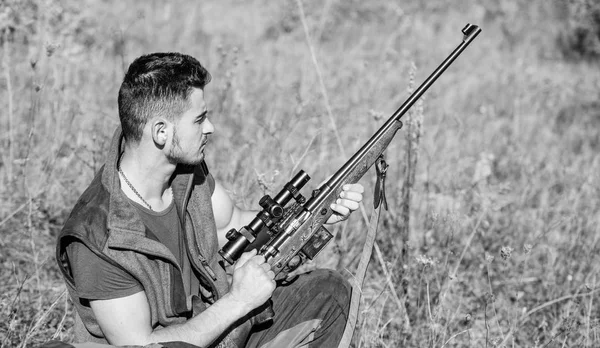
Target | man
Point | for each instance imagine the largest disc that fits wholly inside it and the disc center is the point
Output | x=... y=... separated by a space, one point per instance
x=139 y=250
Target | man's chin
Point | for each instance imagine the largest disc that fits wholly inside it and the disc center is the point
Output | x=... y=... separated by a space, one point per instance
x=187 y=161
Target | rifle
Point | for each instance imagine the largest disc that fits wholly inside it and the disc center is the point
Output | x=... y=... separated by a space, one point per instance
x=280 y=232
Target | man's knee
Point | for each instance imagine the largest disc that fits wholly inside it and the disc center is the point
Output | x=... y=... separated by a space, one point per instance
x=331 y=284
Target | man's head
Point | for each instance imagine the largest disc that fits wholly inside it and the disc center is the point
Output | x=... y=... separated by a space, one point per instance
x=158 y=85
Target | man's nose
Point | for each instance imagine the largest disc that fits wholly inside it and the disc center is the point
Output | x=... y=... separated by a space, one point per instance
x=208 y=127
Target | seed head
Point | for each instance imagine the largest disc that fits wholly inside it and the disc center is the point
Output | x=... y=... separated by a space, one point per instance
x=506 y=252
x=51 y=48
x=377 y=115
x=468 y=318
x=425 y=260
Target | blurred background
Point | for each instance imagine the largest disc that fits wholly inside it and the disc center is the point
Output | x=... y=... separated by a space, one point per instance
x=491 y=238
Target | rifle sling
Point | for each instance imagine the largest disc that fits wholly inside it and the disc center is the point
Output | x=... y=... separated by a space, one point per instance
x=358 y=279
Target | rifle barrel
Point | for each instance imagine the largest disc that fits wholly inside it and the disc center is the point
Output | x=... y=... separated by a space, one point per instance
x=470 y=32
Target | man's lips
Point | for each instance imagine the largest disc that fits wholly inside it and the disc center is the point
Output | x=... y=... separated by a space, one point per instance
x=203 y=144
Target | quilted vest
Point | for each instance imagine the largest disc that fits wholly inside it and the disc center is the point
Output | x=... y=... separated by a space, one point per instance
x=109 y=226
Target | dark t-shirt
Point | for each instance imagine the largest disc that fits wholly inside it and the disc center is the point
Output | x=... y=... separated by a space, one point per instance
x=97 y=279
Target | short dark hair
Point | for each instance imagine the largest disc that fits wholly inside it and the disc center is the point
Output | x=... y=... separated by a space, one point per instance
x=157 y=83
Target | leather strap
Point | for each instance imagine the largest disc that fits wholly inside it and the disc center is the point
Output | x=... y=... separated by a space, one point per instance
x=359 y=277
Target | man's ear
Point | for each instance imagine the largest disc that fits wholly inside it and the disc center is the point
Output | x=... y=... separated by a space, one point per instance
x=160 y=132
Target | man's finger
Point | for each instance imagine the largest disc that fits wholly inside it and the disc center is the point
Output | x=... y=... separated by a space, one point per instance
x=353 y=196
x=346 y=203
x=266 y=267
x=354 y=187
x=259 y=259
x=244 y=258
x=340 y=209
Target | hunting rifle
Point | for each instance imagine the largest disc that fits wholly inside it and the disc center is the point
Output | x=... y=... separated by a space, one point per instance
x=280 y=232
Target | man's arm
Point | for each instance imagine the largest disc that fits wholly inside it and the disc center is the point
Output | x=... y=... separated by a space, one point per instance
x=126 y=320
x=227 y=214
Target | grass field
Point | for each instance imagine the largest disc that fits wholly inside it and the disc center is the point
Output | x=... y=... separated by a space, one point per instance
x=501 y=246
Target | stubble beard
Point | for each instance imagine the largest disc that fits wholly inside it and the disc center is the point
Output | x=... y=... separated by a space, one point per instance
x=177 y=156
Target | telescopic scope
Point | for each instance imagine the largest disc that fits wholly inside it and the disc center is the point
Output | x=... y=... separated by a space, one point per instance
x=273 y=209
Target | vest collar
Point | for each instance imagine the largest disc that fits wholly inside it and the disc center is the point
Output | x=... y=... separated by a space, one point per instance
x=123 y=216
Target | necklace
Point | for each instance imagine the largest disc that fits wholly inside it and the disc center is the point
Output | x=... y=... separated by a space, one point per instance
x=133 y=188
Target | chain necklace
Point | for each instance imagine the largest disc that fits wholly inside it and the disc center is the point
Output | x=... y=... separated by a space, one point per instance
x=133 y=188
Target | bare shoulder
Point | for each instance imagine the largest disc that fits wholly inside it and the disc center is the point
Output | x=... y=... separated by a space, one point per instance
x=223 y=205
x=124 y=320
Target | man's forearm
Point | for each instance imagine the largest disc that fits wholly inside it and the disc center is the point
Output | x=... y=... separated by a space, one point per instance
x=207 y=326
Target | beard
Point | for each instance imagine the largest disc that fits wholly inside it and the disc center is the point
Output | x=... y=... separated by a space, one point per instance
x=176 y=154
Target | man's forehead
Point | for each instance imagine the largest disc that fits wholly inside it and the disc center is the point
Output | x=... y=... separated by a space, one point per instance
x=196 y=103
x=197 y=99
x=197 y=93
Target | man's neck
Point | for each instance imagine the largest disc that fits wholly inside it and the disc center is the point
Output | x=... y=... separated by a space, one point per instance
x=148 y=173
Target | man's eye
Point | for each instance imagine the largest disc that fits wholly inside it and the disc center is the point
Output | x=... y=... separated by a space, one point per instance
x=203 y=117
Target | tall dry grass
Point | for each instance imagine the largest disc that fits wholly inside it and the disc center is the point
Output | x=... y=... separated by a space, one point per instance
x=499 y=215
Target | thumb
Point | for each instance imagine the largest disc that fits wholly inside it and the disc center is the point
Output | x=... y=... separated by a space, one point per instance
x=244 y=258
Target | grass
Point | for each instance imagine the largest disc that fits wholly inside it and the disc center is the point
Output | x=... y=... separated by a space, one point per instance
x=502 y=242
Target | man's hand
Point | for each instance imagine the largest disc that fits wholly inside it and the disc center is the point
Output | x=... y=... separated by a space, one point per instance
x=347 y=202
x=127 y=320
x=253 y=282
